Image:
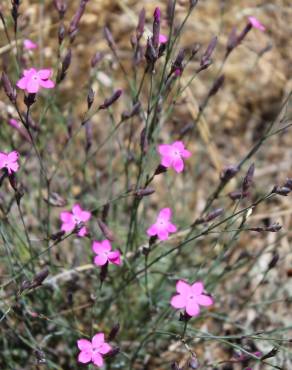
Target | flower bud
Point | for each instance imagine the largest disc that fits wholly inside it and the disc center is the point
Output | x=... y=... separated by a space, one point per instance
x=9 y=90
x=107 y=232
x=218 y=83
x=228 y=173
x=109 y=101
x=90 y=98
x=206 y=58
x=141 y=24
x=114 y=332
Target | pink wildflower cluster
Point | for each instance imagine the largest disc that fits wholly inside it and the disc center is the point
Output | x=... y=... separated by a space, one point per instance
x=94 y=350
x=33 y=80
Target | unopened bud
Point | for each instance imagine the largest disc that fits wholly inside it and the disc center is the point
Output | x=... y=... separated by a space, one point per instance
x=228 y=173
x=248 y=179
x=144 y=192
x=281 y=190
x=133 y=112
x=107 y=232
x=114 y=332
x=9 y=90
x=218 y=83
x=109 y=101
x=141 y=24
x=90 y=98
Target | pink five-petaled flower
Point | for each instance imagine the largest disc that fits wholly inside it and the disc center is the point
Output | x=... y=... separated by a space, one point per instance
x=105 y=254
x=33 y=80
x=162 y=226
x=190 y=297
x=9 y=161
x=29 y=45
x=255 y=23
x=93 y=351
x=72 y=219
x=172 y=155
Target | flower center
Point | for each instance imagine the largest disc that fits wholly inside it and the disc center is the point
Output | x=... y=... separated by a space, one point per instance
x=176 y=153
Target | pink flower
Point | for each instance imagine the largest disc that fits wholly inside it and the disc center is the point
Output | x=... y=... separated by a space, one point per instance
x=29 y=45
x=172 y=155
x=104 y=253
x=93 y=351
x=33 y=80
x=190 y=297
x=72 y=219
x=9 y=161
x=256 y=23
x=162 y=39
x=162 y=226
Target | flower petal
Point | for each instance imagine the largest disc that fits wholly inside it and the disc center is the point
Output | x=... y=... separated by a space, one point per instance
x=166 y=161
x=85 y=216
x=84 y=357
x=165 y=149
x=204 y=300
x=171 y=228
x=186 y=153
x=197 y=288
x=100 y=260
x=98 y=339
x=97 y=359
x=44 y=74
x=165 y=214
x=162 y=234
x=13 y=167
x=22 y=83
x=178 y=145
x=82 y=232
x=115 y=257
x=152 y=230
x=162 y=39
x=106 y=245
x=84 y=344
x=192 y=308
x=47 y=84
x=32 y=86
x=66 y=216
x=68 y=227
x=178 y=301
x=105 y=348
x=178 y=165
x=183 y=287
x=13 y=156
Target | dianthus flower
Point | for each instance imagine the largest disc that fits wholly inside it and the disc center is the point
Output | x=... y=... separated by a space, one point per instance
x=70 y=220
x=162 y=227
x=105 y=254
x=9 y=161
x=172 y=155
x=190 y=297
x=94 y=350
x=33 y=80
